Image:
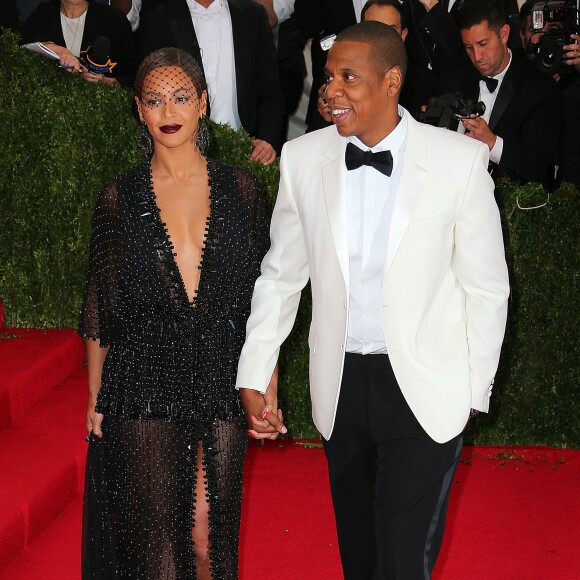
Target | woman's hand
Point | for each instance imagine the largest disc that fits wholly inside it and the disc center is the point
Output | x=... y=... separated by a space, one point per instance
x=68 y=60
x=266 y=421
x=95 y=359
x=92 y=77
x=94 y=419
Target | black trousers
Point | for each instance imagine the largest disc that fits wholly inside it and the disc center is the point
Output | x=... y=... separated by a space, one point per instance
x=389 y=480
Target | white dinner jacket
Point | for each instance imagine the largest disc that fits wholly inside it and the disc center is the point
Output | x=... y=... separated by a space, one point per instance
x=445 y=284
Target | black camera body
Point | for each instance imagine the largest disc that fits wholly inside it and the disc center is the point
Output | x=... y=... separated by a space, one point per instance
x=446 y=110
x=549 y=51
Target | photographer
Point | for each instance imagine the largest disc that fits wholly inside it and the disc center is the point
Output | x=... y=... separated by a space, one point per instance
x=521 y=124
x=566 y=62
x=565 y=58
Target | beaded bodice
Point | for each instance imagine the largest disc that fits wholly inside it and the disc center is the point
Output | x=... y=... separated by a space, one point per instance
x=169 y=357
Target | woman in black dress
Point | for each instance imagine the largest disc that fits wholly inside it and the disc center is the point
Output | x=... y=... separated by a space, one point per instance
x=175 y=250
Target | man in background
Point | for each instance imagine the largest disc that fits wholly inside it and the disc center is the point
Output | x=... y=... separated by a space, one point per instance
x=232 y=42
x=522 y=120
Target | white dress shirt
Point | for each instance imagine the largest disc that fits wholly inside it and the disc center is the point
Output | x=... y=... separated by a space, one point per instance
x=213 y=28
x=358 y=6
x=283 y=9
x=133 y=14
x=370 y=198
x=489 y=100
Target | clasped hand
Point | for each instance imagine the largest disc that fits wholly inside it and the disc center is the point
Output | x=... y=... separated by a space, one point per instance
x=265 y=419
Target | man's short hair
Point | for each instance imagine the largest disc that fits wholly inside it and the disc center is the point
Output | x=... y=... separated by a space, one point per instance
x=386 y=45
x=475 y=12
x=396 y=4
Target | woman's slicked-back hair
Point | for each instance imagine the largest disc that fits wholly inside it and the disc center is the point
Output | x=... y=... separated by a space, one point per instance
x=170 y=57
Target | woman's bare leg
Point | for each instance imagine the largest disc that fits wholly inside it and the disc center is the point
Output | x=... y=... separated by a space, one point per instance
x=200 y=530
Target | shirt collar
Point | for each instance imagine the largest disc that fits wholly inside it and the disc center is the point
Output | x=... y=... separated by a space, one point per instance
x=214 y=9
x=502 y=74
x=392 y=142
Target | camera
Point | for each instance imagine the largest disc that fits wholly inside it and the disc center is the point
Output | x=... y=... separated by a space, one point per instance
x=446 y=110
x=564 y=18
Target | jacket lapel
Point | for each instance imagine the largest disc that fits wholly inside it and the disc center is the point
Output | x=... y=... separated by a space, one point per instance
x=411 y=185
x=506 y=94
x=239 y=32
x=183 y=31
x=334 y=186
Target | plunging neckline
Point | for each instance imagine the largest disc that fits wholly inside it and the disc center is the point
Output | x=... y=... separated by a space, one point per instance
x=175 y=270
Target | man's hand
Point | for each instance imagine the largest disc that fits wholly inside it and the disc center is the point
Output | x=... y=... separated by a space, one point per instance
x=264 y=417
x=571 y=54
x=323 y=106
x=263 y=152
x=477 y=128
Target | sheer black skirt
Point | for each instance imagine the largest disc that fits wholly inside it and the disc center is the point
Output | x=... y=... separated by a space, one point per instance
x=139 y=507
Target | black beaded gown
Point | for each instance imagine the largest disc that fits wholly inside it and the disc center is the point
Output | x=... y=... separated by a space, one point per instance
x=168 y=378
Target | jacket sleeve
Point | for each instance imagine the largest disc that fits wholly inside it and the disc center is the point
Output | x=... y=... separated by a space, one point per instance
x=277 y=291
x=480 y=266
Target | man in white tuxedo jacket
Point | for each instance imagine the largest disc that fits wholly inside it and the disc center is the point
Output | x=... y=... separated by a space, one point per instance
x=405 y=256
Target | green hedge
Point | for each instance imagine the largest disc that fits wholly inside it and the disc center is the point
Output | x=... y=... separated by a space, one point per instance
x=63 y=138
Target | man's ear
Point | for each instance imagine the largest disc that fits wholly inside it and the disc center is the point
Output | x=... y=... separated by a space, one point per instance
x=504 y=33
x=394 y=78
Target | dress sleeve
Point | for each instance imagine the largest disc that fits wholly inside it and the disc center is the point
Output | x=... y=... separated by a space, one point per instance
x=100 y=302
x=258 y=214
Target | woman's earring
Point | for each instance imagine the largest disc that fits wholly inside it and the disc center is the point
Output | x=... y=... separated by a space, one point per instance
x=202 y=139
x=144 y=141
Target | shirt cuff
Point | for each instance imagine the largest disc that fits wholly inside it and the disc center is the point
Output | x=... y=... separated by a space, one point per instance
x=495 y=153
x=283 y=9
x=239 y=387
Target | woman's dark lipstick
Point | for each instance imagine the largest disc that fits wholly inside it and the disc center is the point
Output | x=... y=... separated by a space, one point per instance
x=170 y=128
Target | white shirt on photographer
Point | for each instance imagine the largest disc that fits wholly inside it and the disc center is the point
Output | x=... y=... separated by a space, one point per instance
x=213 y=29
x=489 y=100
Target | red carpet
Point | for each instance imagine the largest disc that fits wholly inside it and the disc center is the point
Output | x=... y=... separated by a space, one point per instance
x=513 y=513
x=509 y=519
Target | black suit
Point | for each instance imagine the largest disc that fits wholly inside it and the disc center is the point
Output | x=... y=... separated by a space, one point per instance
x=526 y=115
x=260 y=98
x=433 y=37
x=44 y=25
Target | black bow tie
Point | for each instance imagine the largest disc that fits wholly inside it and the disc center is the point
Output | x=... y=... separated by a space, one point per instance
x=490 y=83
x=382 y=161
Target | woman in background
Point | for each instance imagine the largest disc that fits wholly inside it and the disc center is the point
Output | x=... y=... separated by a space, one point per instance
x=71 y=28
